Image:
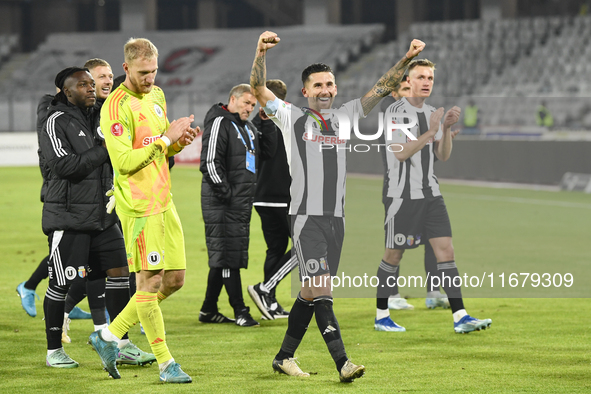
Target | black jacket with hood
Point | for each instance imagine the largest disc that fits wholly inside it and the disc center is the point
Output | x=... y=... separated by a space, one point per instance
x=228 y=188
x=77 y=174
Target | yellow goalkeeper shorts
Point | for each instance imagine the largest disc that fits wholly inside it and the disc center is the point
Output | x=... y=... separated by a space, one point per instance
x=154 y=243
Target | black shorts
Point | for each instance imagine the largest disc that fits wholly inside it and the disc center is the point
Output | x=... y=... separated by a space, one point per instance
x=75 y=256
x=317 y=242
x=412 y=222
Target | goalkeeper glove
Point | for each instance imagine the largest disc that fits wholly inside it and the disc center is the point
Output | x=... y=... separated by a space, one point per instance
x=111 y=203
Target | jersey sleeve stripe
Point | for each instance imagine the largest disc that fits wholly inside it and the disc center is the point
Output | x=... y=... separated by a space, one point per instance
x=55 y=142
x=213 y=140
x=114 y=106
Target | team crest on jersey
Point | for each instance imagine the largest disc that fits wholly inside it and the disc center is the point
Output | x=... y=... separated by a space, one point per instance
x=82 y=272
x=154 y=258
x=399 y=239
x=312 y=266
x=158 y=110
x=323 y=263
x=70 y=273
x=117 y=129
x=410 y=240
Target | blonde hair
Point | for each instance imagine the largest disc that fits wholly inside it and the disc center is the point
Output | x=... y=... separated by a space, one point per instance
x=136 y=48
x=420 y=62
x=96 y=62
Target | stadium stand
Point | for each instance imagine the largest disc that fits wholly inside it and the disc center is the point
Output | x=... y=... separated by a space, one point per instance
x=197 y=68
x=506 y=66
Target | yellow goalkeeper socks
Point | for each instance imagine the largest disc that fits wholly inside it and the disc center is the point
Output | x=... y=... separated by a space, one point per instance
x=150 y=315
x=161 y=296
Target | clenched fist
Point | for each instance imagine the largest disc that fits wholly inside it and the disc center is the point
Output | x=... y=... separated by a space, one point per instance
x=416 y=47
x=267 y=40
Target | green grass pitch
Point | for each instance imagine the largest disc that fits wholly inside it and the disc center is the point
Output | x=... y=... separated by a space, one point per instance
x=535 y=344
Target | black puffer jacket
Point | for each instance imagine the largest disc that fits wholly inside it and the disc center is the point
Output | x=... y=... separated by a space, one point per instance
x=227 y=190
x=42 y=110
x=79 y=172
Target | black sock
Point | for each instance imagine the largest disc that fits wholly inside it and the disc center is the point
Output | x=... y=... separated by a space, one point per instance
x=297 y=324
x=117 y=296
x=330 y=330
x=447 y=272
x=233 y=285
x=76 y=293
x=40 y=273
x=132 y=284
x=430 y=267
x=95 y=290
x=212 y=293
x=386 y=271
x=53 y=307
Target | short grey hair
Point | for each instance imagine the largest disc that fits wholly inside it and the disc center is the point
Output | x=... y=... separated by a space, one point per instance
x=238 y=90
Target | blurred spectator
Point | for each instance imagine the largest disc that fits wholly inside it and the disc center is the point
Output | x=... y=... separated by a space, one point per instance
x=471 y=121
x=543 y=116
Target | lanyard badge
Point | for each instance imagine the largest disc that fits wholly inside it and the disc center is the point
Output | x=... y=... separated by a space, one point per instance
x=250 y=158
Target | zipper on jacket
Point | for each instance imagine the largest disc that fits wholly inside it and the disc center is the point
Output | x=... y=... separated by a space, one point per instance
x=68 y=197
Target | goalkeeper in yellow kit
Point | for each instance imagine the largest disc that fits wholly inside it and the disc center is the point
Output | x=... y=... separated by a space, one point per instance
x=140 y=139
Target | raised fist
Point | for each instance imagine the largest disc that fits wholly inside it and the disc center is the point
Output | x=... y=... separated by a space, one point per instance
x=416 y=47
x=267 y=40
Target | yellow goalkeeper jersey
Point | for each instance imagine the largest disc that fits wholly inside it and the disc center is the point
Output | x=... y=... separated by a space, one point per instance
x=132 y=125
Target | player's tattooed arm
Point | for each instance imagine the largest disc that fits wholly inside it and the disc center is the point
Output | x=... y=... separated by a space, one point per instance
x=258 y=73
x=390 y=79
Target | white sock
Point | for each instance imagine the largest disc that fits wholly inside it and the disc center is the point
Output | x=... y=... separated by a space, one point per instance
x=50 y=352
x=459 y=314
x=395 y=296
x=108 y=335
x=263 y=288
x=165 y=364
x=434 y=294
x=100 y=327
x=381 y=313
x=121 y=343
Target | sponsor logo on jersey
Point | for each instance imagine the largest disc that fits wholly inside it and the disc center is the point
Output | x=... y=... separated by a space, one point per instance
x=322 y=139
x=100 y=133
x=81 y=134
x=399 y=239
x=418 y=239
x=117 y=129
x=148 y=140
x=154 y=258
x=312 y=266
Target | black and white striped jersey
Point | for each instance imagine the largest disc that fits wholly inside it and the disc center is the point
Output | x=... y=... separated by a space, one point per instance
x=316 y=157
x=414 y=178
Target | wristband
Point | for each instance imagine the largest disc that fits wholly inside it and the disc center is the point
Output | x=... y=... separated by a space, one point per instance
x=166 y=140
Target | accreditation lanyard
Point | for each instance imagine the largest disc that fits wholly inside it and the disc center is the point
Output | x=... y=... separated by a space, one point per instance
x=250 y=160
